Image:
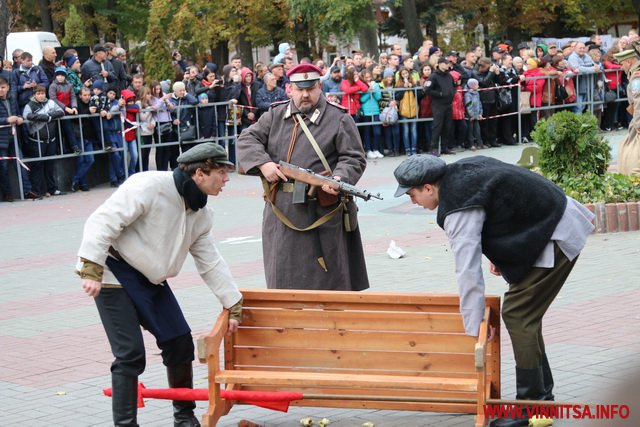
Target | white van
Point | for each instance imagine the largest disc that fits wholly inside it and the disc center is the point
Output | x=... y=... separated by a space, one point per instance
x=32 y=42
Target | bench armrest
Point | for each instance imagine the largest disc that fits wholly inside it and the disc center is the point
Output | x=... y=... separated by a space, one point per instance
x=481 y=345
x=211 y=343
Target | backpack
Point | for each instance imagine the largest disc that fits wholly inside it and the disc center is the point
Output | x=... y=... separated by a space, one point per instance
x=389 y=116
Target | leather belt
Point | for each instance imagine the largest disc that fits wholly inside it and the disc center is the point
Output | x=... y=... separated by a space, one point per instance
x=286 y=187
x=115 y=253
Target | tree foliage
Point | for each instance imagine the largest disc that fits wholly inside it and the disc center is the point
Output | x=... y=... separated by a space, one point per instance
x=74 y=31
x=157 y=56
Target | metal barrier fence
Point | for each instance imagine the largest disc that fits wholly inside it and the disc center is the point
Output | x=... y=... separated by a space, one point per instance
x=227 y=128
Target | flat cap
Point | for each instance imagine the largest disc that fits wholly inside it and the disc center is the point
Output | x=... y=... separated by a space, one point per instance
x=206 y=151
x=418 y=170
x=625 y=54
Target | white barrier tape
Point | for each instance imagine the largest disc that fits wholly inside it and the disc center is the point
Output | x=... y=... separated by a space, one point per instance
x=19 y=161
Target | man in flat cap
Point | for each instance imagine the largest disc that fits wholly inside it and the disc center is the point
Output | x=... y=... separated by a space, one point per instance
x=134 y=242
x=629 y=151
x=98 y=67
x=530 y=231
x=312 y=133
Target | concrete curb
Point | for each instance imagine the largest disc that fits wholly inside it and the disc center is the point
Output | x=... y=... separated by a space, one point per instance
x=615 y=217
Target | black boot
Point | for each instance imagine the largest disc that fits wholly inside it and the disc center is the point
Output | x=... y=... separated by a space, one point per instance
x=124 y=400
x=529 y=386
x=181 y=376
x=547 y=377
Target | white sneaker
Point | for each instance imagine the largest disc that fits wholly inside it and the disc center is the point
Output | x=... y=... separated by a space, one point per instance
x=371 y=155
x=378 y=154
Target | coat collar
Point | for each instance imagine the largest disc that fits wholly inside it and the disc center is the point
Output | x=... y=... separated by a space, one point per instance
x=316 y=115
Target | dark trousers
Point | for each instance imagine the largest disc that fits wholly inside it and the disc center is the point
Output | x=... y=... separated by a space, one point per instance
x=473 y=133
x=41 y=170
x=156 y=309
x=371 y=135
x=488 y=126
x=526 y=302
x=145 y=150
x=442 y=127
x=167 y=156
x=460 y=134
x=83 y=163
x=505 y=130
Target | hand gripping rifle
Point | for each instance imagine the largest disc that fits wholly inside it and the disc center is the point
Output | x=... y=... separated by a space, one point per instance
x=310 y=177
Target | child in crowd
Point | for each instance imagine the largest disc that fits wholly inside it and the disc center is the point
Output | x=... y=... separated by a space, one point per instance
x=131 y=110
x=387 y=99
x=371 y=113
x=61 y=92
x=89 y=139
x=147 y=121
x=408 y=109
x=473 y=108
x=42 y=139
x=113 y=137
x=334 y=98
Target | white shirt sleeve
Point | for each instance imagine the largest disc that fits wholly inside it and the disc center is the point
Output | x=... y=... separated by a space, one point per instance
x=464 y=230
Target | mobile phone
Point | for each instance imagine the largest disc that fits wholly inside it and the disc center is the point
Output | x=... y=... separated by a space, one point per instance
x=342 y=57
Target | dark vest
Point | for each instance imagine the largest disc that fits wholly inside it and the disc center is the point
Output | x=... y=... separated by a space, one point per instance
x=522 y=209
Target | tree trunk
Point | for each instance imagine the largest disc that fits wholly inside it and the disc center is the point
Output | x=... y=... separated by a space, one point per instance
x=369 y=36
x=301 y=38
x=4 y=25
x=244 y=49
x=45 y=15
x=111 y=33
x=220 y=55
x=92 y=36
x=411 y=25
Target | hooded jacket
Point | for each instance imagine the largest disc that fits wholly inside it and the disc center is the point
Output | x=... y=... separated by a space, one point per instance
x=247 y=96
x=40 y=116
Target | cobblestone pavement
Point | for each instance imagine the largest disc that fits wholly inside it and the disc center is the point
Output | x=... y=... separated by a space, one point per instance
x=54 y=357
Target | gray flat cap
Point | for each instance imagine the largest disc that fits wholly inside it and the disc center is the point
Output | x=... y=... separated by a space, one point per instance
x=206 y=151
x=418 y=170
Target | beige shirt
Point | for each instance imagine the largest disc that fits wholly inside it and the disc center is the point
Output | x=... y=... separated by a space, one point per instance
x=147 y=222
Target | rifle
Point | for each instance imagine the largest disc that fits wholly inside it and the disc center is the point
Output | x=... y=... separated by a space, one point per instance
x=310 y=177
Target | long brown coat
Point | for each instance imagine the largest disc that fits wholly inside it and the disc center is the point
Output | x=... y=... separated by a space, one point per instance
x=290 y=257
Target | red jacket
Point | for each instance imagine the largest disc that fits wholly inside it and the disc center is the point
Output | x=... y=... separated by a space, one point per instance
x=351 y=97
x=613 y=73
x=536 y=101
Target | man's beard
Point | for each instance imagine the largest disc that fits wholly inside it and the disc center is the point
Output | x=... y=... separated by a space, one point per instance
x=337 y=79
x=305 y=108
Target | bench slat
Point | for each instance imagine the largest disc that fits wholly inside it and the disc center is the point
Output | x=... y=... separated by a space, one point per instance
x=336 y=380
x=353 y=320
x=376 y=393
x=345 y=305
x=355 y=340
x=263 y=295
x=412 y=363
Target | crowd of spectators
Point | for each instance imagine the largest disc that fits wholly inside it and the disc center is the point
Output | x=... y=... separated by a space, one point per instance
x=430 y=101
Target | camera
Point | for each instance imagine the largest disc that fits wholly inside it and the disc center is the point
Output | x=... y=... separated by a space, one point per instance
x=175 y=54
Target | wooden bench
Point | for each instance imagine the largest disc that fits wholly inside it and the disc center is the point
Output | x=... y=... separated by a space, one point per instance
x=363 y=350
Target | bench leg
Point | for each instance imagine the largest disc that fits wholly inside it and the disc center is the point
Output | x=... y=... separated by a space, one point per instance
x=213 y=414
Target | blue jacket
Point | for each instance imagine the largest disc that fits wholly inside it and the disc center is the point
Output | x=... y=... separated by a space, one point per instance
x=472 y=104
x=265 y=98
x=185 y=110
x=22 y=76
x=8 y=107
x=369 y=101
x=331 y=86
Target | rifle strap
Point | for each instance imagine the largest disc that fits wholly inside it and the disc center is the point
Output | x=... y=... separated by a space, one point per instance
x=314 y=144
x=286 y=221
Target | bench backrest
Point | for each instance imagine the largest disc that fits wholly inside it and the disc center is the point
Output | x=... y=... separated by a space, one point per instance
x=374 y=333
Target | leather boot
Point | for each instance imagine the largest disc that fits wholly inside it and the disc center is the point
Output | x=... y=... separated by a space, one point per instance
x=529 y=386
x=547 y=377
x=181 y=376
x=124 y=400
